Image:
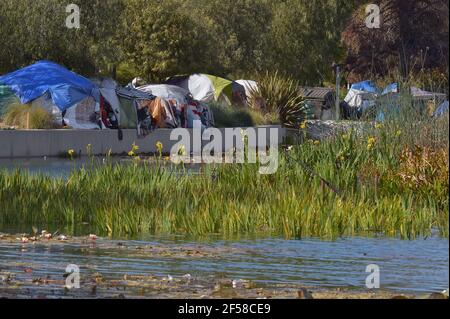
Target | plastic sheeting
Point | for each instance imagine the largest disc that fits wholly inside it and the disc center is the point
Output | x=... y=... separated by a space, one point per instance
x=365 y=86
x=83 y=115
x=66 y=88
x=360 y=99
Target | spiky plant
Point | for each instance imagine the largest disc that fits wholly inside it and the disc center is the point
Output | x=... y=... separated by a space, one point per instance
x=277 y=93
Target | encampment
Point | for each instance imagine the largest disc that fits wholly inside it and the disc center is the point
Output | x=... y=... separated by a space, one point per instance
x=208 y=88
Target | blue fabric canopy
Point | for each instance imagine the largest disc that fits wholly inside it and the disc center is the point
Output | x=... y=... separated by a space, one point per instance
x=391 y=88
x=66 y=88
x=441 y=110
x=366 y=86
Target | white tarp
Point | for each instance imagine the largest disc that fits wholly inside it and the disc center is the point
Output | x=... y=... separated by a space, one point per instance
x=360 y=99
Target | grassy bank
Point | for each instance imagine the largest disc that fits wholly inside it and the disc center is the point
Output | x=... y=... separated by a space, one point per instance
x=387 y=180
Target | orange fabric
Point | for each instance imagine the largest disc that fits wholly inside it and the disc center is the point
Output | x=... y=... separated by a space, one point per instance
x=157 y=111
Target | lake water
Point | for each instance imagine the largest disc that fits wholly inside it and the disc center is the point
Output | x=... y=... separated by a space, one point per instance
x=415 y=266
x=418 y=266
x=61 y=167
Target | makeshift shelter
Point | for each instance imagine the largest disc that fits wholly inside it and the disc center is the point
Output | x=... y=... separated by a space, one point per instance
x=365 y=86
x=320 y=99
x=71 y=98
x=64 y=87
x=208 y=88
x=133 y=114
x=179 y=107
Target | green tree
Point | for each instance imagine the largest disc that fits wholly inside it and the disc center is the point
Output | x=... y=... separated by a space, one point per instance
x=161 y=39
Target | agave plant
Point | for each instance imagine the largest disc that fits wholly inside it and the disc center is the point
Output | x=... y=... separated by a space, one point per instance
x=277 y=93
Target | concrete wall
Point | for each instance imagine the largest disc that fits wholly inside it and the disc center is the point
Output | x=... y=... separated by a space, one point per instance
x=39 y=143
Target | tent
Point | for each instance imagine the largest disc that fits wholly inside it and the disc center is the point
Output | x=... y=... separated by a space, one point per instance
x=64 y=87
x=208 y=88
x=168 y=92
x=179 y=106
x=132 y=114
x=248 y=85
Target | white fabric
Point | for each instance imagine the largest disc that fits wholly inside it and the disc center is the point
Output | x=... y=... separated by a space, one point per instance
x=83 y=114
x=360 y=99
x=201 y=88
x=248 y=85
x=166 y=91
x=107 y=89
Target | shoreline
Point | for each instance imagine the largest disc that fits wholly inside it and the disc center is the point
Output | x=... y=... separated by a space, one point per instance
x=28 y=281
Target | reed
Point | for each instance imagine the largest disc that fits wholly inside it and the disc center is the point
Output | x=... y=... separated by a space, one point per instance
x=389 y=179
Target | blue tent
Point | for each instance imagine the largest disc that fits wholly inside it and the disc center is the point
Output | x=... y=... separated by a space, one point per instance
x=366 y=86
x=66 y=88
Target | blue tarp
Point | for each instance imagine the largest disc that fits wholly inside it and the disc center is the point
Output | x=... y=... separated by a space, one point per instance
x=441 y=110
x=391 y=88
x=66 y=88
x=366 y=86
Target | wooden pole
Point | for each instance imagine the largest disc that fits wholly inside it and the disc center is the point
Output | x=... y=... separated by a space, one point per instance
x=338 y=87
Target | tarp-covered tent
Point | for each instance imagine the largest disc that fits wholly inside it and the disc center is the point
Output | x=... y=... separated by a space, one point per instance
x=71 y=98
x=179 y=106
x=65 y=88
x=208 y=88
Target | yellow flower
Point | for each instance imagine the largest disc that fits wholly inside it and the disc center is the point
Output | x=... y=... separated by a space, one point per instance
x=159 y=146
x=370 y=142
x=316 y=142
x=398 y=133
x=71 y=152
x=134 y=147
x=378 y=125
x=303 y=125
x=131 y=153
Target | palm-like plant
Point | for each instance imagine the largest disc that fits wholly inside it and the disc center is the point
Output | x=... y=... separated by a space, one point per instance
x=279 y=94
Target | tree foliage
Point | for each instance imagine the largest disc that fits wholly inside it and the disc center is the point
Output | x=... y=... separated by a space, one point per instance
x=413 y=36
x=230 y=38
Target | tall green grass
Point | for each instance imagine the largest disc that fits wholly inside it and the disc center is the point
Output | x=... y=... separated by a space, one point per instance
x=227 y=199
x=388 y=179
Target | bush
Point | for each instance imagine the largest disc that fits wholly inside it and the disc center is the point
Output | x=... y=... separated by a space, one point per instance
x=29 y=117
x=240 y=117
x=280 y=95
